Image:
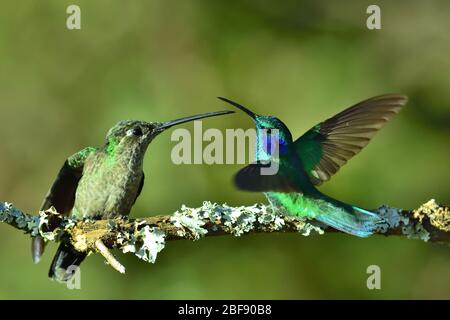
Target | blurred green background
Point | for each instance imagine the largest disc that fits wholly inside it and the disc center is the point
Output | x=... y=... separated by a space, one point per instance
x=303 y=61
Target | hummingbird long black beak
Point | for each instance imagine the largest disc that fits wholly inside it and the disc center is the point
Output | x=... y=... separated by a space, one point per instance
x=165 y=125
x=241 y=107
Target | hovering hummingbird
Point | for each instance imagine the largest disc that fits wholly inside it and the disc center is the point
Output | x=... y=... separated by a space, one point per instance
x=313 y=158
x=102 y=183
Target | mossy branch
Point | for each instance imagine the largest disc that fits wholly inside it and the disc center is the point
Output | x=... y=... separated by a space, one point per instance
x=146 y=237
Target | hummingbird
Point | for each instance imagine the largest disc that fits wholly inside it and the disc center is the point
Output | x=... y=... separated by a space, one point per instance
x=102 y=183
x=307 y=162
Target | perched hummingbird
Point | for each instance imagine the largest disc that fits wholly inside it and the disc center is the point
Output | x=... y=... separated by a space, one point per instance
x=313 y=158
x=102 y=183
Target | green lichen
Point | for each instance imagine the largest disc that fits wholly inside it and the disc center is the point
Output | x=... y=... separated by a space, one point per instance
x=391 y=218
x=44 y=224
x=240 y=220
x=416 y=231
x=305 y=228
x=153 y=241
x=235 y=220
x=439 y=216
x=268 y=218
x=145 y=243
x=13 y=216
x=184 y=223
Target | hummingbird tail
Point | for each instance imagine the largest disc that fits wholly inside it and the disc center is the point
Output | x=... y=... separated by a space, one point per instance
x=37 y=248
x=356 y=221
x=65 y=262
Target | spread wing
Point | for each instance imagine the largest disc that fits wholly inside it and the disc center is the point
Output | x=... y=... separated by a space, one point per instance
x=250 y=178
x=325 y=148
x=62 y=193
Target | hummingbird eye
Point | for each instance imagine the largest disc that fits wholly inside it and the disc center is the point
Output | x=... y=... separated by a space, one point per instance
x=137 y=132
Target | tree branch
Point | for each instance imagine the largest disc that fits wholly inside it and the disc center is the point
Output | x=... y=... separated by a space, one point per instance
x=146 y=237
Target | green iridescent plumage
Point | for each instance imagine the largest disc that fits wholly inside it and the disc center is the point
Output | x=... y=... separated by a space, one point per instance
x=312 y=159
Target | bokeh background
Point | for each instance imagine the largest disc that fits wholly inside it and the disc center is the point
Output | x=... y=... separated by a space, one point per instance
x=61 y=90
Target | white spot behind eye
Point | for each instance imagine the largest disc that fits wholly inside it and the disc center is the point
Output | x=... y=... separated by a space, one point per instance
x=130 y=133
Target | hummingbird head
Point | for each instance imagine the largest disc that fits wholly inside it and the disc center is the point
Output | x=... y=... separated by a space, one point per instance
x=135 y=135
x=265 y=126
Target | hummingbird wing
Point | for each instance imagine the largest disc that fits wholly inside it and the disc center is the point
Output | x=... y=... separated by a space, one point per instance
x=325 y=148
x=250 y=178
x=141 y=185
x=62 y=193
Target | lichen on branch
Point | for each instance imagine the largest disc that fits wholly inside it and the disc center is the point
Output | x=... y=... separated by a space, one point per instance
x=146 y=237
